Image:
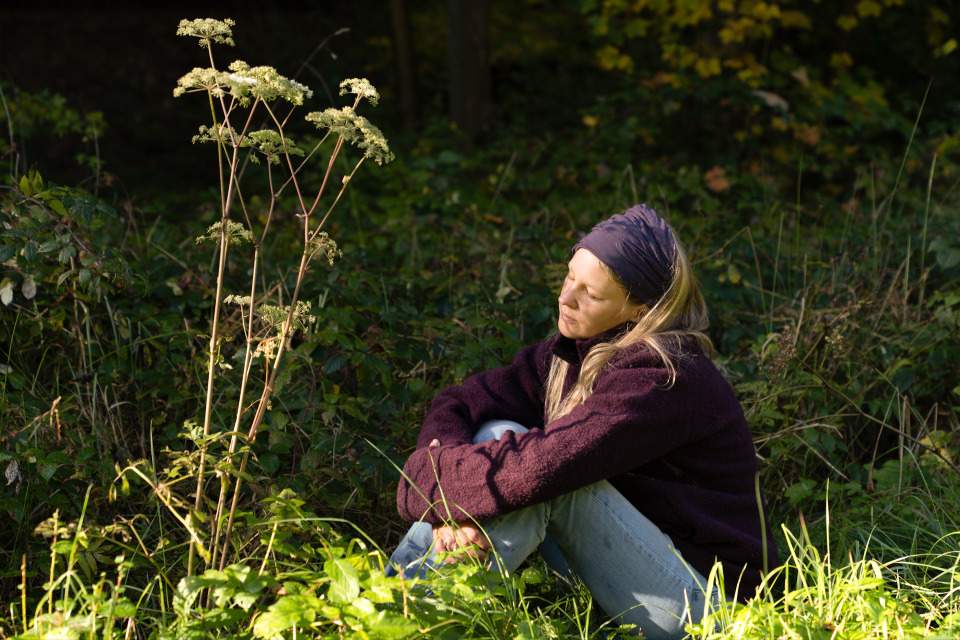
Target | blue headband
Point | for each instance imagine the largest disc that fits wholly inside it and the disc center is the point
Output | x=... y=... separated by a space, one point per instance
x=638 y=246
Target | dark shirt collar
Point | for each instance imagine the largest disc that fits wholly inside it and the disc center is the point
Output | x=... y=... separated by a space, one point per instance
x=575 y=350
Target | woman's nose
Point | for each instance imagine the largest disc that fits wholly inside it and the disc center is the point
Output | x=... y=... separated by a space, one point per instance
x=566 y=298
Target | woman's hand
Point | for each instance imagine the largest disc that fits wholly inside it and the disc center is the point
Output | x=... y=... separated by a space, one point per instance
x=465 y=537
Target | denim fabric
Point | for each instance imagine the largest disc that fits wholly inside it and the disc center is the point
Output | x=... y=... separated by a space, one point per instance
x=631 y=567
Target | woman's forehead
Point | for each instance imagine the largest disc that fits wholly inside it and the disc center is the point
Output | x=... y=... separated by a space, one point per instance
x=587 y=267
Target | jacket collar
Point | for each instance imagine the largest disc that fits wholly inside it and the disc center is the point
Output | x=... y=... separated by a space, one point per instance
x=575 y=350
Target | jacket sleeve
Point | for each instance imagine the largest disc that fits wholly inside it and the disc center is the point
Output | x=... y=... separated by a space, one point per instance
x=630 y=418
x=513 y=392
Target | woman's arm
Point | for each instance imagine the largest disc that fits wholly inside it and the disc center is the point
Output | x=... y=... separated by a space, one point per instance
x=630 y=419
x=513 y=392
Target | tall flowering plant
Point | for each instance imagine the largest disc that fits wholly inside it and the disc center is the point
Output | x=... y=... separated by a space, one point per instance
x=236 y=96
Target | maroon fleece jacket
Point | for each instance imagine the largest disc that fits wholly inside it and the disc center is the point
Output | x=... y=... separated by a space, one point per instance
x=682 y=455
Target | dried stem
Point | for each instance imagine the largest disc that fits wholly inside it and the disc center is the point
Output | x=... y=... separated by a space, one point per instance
x=226 y=202
x=287 y=324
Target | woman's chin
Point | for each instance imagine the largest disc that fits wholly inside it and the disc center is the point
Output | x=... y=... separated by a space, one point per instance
x=567 y=329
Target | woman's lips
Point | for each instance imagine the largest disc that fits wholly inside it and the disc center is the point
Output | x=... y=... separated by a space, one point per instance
x=566 y=318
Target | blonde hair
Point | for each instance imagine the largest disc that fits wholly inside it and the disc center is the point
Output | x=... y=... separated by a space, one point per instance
x=680 y=313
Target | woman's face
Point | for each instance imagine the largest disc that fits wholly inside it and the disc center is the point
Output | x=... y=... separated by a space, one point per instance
x=590 y=301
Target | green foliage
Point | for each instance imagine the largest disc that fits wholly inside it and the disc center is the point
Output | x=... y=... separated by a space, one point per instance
x=833 y=288
x=42 y=117
x=804 y=80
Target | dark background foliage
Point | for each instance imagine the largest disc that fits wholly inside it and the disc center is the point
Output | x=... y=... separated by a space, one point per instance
x=805 y=152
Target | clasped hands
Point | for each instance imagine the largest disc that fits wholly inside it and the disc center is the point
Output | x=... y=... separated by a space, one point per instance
x=464 y=537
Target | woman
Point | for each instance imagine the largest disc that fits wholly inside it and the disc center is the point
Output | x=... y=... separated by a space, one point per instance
x=615 y=446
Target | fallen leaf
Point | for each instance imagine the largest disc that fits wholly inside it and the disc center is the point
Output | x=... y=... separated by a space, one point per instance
x=716 y=179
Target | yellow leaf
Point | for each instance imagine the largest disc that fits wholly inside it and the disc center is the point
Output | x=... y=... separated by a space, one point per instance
x=841 y=60
x=590 y=121
x=847 y=23
x=716 y=179
x=733 y=274
x=867 y=8
x=794 y=20
x=707 y=67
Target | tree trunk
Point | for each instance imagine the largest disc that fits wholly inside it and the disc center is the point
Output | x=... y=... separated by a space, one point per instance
x=406 y=69
x=471 y=106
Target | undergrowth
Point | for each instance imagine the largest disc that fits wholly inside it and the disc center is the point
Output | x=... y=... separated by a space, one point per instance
x=837 y=320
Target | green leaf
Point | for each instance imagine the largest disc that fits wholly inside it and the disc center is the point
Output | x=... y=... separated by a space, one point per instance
x=344 y=581
x=124 y=609
x=25 y=186
x=300 y=610
x=46 y=471
x=390 y=626
x=800 y=491
x=58 y=207
x=66 y=253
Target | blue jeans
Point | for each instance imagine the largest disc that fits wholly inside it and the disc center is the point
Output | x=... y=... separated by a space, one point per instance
x=631 y=567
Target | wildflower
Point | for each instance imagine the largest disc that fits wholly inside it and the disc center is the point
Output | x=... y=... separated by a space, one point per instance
x=265 y=83
x=274 y=316
x=237 y=300
x=373 y=143
x=360 y=87
x=324 y=245
x=271 y=145
x=207 y=29
x=354 y=129
x=236 y=233
x=199 y=79
x=222 y=134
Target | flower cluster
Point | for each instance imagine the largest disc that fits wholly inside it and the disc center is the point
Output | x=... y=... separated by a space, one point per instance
x=233 y=298
x=271 y=145
x=355 y=129
x=243 y=81
x=207 y=29
x=360 y=87
x=223 y=134
x=324 y=245
x=199 y=79
x=275 y=316
x=236 y=233
x=265 y=83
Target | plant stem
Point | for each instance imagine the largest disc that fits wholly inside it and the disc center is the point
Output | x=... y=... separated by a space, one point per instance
x=226 y=201
x=286 y=329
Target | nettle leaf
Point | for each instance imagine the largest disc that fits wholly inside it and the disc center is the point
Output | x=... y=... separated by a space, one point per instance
x=186 y=594
x=344 y=581
x=300 y=610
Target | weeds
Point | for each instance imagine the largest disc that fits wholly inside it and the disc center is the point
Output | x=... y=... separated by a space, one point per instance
x=838 y=323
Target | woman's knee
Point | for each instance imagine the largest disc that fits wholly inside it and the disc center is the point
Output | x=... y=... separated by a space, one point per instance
x=494 y=429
